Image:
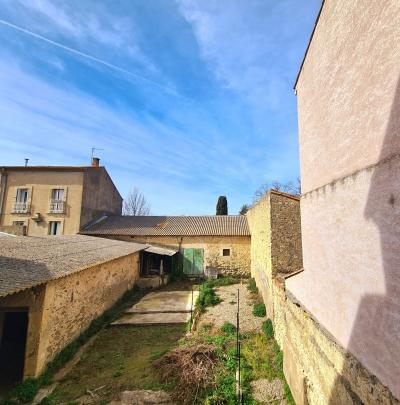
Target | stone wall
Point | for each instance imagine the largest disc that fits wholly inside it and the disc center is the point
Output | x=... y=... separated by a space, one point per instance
x=275 y=240
x=16 y=230
x=286 y=249
x=317 y=368
x=32 y=300
x=61 y=309
x=237 y=264
x=72 y=302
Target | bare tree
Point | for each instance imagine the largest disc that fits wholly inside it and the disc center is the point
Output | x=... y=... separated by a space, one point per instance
x=290 y=187
x=136 y=204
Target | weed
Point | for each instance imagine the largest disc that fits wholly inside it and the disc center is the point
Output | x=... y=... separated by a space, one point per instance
x=252 y=287
x=259 y=310
x=207 y=297
x=232 y=302
x=222 y=281
x=268 y=328
x=228 y=328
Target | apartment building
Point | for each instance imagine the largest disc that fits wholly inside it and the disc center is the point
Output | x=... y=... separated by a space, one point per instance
x=56 y=200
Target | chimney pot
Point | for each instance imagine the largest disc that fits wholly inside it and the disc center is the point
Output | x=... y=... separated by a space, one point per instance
x=95 y=162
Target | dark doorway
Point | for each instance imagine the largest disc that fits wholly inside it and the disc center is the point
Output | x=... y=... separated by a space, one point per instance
x=13 y=335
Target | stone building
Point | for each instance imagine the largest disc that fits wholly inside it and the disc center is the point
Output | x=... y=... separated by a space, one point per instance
x=51 y=288
x=55 y=200
x=205 y=242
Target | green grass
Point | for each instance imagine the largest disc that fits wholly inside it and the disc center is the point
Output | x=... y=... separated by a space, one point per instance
x=259 y=310
x=252 y=287
x=121 y=359
x=207 y=297
x=228 y=328
x=268 y=328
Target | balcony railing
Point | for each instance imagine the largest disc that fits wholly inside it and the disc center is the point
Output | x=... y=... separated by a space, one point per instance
x=57 y=206
x=21 y=207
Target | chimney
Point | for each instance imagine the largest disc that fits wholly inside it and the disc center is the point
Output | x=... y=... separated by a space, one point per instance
x=95 y=162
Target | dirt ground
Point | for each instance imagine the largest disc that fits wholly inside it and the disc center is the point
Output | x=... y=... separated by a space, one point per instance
x=227 y=309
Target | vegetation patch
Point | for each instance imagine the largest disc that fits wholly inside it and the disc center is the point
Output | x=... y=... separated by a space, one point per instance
x=120 y=359
x=259 y=310
x=252 y=287
x=228 y=328
x=268 y=328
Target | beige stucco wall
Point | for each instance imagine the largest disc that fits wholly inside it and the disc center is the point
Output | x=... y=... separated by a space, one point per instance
x=40 y=184
x=60 y=310
x=238 y=264
x=349 y=122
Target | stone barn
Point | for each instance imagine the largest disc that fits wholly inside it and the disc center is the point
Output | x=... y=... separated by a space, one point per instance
x=51 y=288
x=219 y=242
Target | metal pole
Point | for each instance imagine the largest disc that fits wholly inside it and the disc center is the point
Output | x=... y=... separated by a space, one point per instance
x=238 y=345
x=191 y=312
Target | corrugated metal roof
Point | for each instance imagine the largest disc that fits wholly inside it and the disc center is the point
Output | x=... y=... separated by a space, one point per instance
x=161 y=251
x=213 y=225
x=29 y=261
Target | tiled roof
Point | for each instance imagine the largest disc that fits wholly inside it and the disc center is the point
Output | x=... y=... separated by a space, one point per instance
x=29 y=261
x=215 y=225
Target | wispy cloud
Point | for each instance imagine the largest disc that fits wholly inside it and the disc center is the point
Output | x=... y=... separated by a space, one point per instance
x=248 y=44
x=228 y=124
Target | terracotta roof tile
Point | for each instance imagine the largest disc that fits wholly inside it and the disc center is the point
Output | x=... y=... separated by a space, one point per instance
x=213 y=225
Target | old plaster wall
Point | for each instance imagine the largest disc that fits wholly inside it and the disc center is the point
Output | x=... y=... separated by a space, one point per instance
x=349 y=124
x=72 y=302
x=238 y=264
x=99 y=195
x=32 y=301
x=39 y=185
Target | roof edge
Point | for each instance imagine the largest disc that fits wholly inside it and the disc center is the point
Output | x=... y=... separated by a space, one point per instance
x=309 y=44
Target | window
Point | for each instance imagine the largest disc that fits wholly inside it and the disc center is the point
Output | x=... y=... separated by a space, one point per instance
x=54 y=227
x=57 y=194
x=21 y=204
x=18 y=223
x=22 y=195
x=226 y=252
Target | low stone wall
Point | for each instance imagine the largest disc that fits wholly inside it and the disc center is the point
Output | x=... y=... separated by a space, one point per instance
x=317 y=368
x=17 y=230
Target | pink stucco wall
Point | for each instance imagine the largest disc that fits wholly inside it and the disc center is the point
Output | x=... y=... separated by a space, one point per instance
x=349 y=123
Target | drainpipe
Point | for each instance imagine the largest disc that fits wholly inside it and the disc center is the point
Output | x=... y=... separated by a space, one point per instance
x=3 y=187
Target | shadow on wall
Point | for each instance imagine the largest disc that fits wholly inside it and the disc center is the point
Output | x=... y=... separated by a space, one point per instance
x=375 y=338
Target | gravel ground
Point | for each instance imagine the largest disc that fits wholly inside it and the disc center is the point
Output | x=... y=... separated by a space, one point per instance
x=267 y=392
x=226 y=310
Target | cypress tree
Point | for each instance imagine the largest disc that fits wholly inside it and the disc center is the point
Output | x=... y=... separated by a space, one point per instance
x=222 y=206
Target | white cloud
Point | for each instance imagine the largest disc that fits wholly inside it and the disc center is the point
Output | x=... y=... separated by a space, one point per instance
x=248 y=45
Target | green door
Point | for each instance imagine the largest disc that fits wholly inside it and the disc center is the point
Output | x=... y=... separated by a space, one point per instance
x=193 y=261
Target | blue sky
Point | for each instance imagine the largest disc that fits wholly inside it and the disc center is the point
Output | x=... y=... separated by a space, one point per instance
x=189 y=99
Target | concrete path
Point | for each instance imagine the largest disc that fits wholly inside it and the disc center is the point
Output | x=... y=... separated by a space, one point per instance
x=160 y=308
